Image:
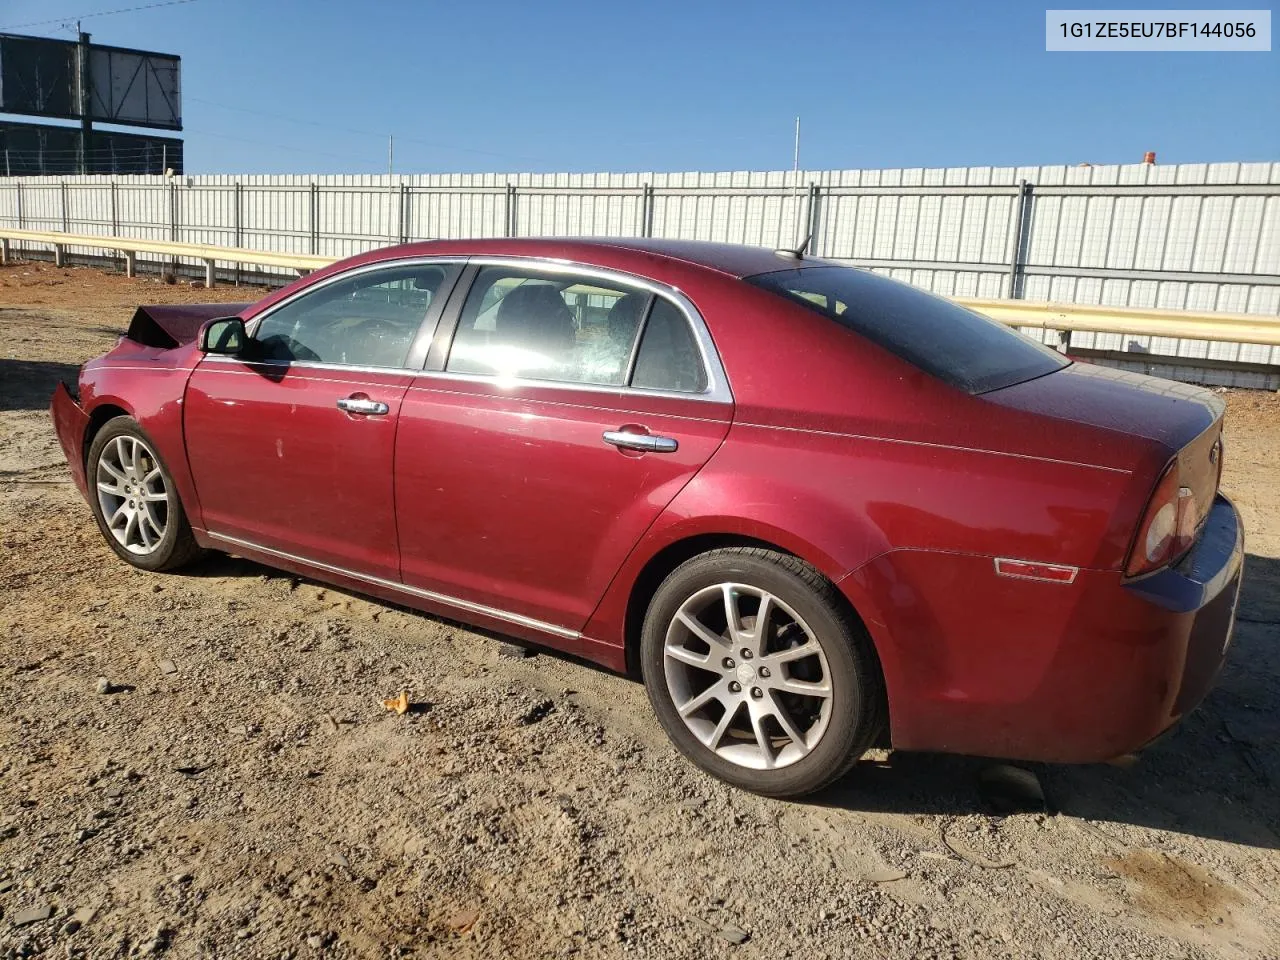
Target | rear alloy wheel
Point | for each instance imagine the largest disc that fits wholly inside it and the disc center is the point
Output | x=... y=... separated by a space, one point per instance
x=758 y=673
x=134 y=501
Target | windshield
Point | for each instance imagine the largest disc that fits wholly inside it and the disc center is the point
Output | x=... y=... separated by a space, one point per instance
x=942 y=338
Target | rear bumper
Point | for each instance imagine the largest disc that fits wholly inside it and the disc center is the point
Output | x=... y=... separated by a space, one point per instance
x=987 y=665
x=1202 y=593
x=70 y=423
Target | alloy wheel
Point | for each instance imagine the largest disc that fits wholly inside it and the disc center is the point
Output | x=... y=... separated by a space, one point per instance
x=132 y=494
x=747 y=675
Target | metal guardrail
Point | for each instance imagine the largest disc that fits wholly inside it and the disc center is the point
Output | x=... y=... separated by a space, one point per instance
x=130 y=247
x=1069 y=318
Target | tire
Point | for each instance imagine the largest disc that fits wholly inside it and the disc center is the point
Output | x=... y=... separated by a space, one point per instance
x=144 y=523
x=775 y=741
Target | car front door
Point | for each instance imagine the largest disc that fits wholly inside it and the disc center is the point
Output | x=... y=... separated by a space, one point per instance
x=291 y=444
x=565 y=412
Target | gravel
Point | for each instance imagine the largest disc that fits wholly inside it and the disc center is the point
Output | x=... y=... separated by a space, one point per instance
x=259 y=800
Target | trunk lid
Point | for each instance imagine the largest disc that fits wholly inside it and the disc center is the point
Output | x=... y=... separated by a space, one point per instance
x=1176 y=419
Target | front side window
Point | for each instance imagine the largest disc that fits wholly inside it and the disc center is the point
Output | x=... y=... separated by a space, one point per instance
x=956 y=345
x=367 y=320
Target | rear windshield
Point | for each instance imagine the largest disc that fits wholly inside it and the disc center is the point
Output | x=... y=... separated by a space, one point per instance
x=964 y=348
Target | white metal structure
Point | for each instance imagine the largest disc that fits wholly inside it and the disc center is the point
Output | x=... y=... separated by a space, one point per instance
x=1069 y=318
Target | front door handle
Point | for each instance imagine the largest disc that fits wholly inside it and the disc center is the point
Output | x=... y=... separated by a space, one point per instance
x=373 y=408
x=641 y=441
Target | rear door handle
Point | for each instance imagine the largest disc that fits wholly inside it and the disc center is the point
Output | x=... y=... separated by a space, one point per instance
x=641 y=441
x=373 y=408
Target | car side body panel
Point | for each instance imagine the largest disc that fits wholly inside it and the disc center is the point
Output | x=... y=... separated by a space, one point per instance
x=509 y=496
x=147 y=383
x=902 y=490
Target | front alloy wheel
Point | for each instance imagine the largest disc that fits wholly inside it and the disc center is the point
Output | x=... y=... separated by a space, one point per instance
x=134 y=499
x=759 y=672
x=132 y=494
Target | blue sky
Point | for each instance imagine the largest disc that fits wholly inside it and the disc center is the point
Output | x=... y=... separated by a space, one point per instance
x=290 y=86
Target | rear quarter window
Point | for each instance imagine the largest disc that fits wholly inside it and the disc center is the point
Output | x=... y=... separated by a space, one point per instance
x=954 y=344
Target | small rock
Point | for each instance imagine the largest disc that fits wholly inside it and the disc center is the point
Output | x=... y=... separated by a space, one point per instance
x=167 y=667
x=32 y=915
x=734 y=934
x=513 y=651
x=461 y=921
x=887 y=875
x=315 y=941
x=103 y=687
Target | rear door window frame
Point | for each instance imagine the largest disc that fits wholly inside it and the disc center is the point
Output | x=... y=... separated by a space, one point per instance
x=717 y=383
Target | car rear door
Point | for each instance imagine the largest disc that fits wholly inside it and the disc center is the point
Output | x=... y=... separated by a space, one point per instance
x=547 y=434
x=291 y=445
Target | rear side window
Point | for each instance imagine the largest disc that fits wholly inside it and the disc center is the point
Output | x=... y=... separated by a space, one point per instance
x=668 y=358
x=963 y=348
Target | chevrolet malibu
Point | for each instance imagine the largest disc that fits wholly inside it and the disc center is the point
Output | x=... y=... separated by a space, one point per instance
x=814 y=509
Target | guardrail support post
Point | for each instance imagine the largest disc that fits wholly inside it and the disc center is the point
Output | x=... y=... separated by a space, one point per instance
x=130 y=263
x=59 y=255
x=4 y=250
x=208 y=273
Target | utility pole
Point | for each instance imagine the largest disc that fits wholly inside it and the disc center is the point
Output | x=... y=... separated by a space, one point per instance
x=82 y=84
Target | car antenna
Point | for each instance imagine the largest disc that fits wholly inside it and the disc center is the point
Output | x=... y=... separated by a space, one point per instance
x=798 y=252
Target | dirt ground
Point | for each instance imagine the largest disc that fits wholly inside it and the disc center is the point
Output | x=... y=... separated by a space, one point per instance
x=243 y=793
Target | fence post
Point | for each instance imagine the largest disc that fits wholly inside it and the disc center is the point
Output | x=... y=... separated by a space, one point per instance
x=21 y=220
x=173 y=225
x=511 y=210
x=404 y=212
x=1022 y=212
x=646 y=212
x=811 y=218
x=115 y=221
x=65 y=222
x=239 y=240
x=315 y=217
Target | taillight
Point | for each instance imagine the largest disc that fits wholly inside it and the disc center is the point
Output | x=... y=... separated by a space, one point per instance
x=1168 y=527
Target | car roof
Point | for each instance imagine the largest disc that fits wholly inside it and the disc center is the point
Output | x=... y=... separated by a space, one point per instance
x=731 y=259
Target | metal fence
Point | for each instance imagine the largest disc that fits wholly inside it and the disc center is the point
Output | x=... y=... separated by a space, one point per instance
x=1202 y=237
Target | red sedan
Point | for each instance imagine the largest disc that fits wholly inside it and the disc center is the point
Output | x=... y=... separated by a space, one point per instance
x=816 y=509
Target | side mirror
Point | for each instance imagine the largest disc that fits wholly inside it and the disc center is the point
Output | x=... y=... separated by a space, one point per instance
x=224 y=336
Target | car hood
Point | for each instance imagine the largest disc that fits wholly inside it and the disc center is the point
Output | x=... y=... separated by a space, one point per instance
x=171 y=324
x=1168 y=412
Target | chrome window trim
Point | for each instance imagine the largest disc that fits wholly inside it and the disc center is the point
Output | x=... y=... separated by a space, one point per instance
x=717 y=389
x=514 y=382
x=468 y=605
x=406 y=372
